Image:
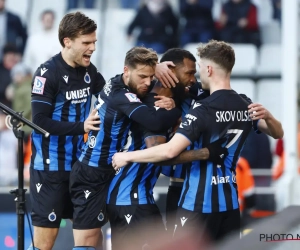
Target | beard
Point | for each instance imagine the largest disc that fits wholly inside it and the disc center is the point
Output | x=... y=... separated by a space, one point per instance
x=134 y=89
x=179 y=94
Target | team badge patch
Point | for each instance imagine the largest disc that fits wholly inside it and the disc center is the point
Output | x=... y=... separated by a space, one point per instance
x=132 y=97
x=92 y=142
x=52 y=217
x=100 y=217
x=39 y=85
x=87 y=77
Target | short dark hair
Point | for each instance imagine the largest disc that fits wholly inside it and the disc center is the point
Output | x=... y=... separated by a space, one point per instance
x=141 y=55
x=75 y=24
x=177 y=55
x=9 y=48
x=219 y=52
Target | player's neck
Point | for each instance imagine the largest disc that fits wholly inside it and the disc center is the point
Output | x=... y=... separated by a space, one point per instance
x=219 y=84
x=66 y=58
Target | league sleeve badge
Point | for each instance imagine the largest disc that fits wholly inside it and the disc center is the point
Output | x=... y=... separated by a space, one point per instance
x=39 y=85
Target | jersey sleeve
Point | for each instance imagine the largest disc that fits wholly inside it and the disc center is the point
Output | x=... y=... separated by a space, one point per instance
x=254 y=123
x=194 y=122
x=44 y=86
x=152 y=118
x=43 y=92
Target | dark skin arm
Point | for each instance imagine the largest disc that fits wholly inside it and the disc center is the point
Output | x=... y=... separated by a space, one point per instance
x=154 y=140
x=187 y=156
x=215 y=152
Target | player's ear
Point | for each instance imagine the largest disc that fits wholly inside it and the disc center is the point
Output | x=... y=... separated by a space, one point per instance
x=126 y=69
x=67 y=42
x=126 y=72
x=209 y=70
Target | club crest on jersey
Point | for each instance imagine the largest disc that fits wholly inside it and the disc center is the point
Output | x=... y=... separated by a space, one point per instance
x=52 y=216
x=132 y=97
x=39 y=85
x=92 y=142
x=87 y=78
x=100 y=217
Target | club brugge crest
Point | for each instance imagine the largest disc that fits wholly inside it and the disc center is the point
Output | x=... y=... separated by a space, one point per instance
x=87 y=77
x=100 y=216
x=52 y=216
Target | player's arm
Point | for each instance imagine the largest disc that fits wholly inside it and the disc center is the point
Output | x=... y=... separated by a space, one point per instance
x=158 y=153
x=153 y=119
x=214 y=152
x=154 y=140
x=189 y=131
x=266 y=121
x=44 y=91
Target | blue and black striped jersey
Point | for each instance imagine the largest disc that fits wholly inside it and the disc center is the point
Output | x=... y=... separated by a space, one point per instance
x=196 y=94
x=134 y=183
x=117 y=107
x=208 y=187
x=65 y=92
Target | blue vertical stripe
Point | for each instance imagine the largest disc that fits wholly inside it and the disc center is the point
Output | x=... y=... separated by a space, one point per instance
x=113 y=183
x=53 y=142
x=38 y=160
x=126 y=186
x=68 y=144
x=221 y=195
x=53 y=147
x=189 y=200
x=207 y=206
x=114 y=133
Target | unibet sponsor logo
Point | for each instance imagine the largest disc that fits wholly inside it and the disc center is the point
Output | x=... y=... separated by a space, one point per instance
x=228 y=116
x=78 y=94
x=215 y=180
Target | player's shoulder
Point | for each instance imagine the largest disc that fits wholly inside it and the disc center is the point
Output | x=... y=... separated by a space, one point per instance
x=93 y=69
x=48 y=68
x=117 y=85
x=246 y=98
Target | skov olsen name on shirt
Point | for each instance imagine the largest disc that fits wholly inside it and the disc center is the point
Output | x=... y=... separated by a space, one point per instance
x=227 y=116
x=78 y=94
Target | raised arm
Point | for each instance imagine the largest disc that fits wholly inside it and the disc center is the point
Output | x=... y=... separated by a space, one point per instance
x=267 y=122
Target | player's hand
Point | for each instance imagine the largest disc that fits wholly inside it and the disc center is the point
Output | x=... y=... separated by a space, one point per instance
x=119 y=160
x=217 y=151
x=92 y=122
x=164 y=102
x=165 y=75
x=257 y=111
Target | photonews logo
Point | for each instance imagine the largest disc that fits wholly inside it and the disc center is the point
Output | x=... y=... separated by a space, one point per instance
x=278 y=237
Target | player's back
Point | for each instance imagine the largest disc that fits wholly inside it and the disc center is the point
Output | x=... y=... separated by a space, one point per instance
x=223 y=114
x=226 y=116
x=114 y=127
x=134 y=183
